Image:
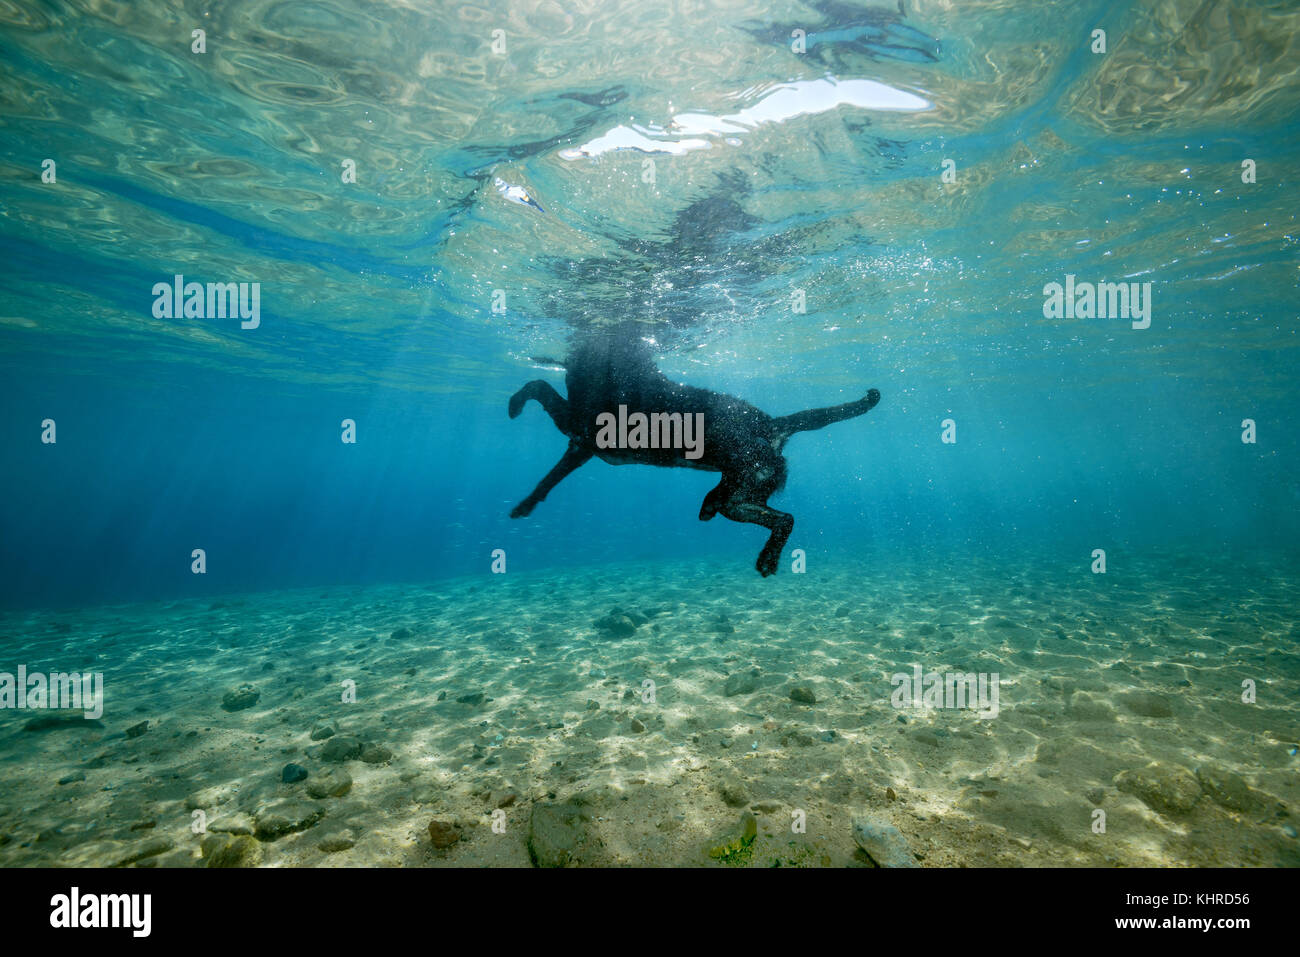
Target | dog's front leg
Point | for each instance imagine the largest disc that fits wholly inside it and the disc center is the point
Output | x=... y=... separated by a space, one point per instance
x=556 y=406
x=573 y=457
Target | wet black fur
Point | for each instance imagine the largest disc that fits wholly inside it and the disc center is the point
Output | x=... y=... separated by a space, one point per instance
x=741 y=441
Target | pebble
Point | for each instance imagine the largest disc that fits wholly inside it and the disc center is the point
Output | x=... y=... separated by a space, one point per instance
x=57 y=720
x=150 y=848
x=722 y=626
x=733 y=792
x=237 y=699
x=73 y=777
x=341 y=748
x=616 y=624
x=443 y=834
x=742 y=682
x=1228 y=789
x=137 y=729
x=376 y=754
x=803 y=695
x=735 y=847
x=237 y=823
x=273 y=821
x=334 y=782
x=1084 y=707
x=1147 y=703
x=1169 y=790
x=883 y=843
x=556 y=834
x=927 y=736
x=337 y=841
x=293 y=773
x=226 y=851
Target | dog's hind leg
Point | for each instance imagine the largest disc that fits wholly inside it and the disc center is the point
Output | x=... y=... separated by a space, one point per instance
x=716 y=497
x=555 y=404
x=573 y=457
x=811 y=419
x=781 y=524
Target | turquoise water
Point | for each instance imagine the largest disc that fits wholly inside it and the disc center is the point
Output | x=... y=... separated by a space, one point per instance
x=885 y=208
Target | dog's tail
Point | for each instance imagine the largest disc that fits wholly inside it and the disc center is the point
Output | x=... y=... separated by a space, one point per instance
x=809 y=419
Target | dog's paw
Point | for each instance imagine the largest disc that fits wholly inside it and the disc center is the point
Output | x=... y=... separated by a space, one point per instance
x=522 y=510
x=516 y=406
x=707 y=511
x=766 y=564
x=873 y=396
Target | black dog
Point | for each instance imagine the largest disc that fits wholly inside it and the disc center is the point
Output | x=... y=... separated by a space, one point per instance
x=739 y=440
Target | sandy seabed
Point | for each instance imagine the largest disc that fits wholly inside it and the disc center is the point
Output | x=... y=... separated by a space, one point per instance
x=512 y=711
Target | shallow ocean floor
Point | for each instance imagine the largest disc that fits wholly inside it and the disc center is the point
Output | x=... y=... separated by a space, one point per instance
x=511 y=711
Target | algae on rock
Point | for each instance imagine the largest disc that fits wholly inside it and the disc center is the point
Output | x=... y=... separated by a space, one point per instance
x=738 y=847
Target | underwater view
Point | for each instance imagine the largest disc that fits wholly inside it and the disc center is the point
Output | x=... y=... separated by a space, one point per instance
x=951 y=348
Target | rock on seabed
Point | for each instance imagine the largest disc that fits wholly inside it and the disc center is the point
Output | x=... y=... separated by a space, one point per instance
x=555 y=834
x=883 y=843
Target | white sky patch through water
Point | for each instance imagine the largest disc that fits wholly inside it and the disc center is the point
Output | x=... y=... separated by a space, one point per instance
x=784 y=102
